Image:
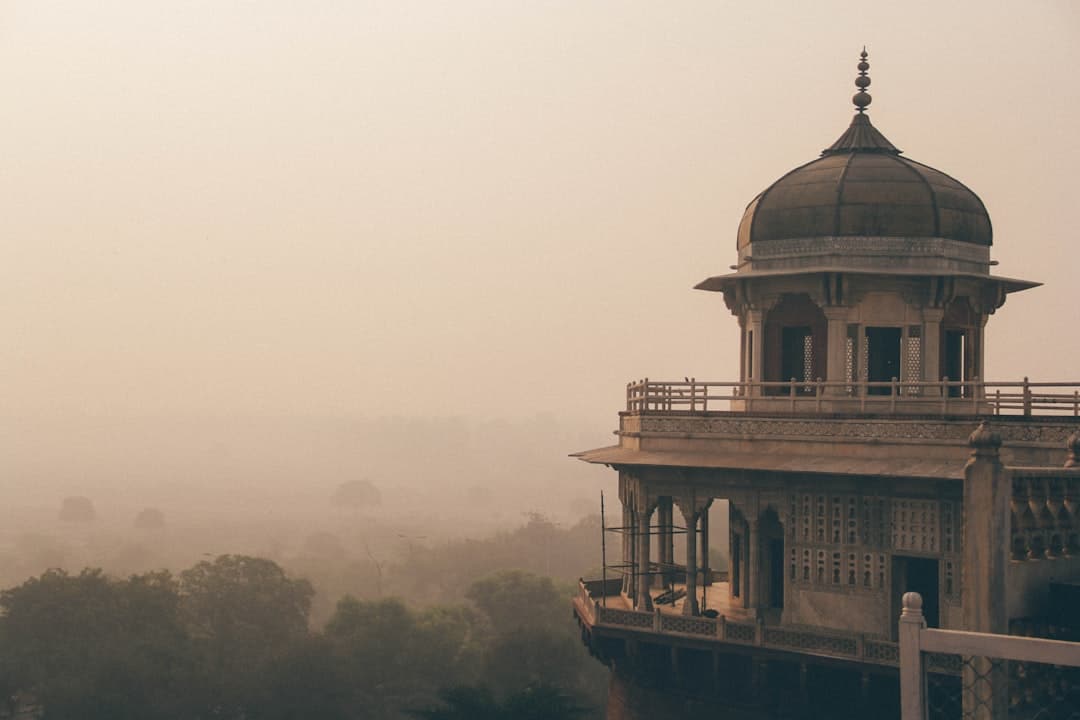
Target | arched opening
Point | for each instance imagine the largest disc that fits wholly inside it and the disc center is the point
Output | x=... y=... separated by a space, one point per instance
x=795 y=343
x=772 y=560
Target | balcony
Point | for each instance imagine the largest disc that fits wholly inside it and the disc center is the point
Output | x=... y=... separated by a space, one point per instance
x=864 y=429
x=602 y=612
x=943 y=398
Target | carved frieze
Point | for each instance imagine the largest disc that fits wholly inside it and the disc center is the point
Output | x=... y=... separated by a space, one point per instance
x=850 y=429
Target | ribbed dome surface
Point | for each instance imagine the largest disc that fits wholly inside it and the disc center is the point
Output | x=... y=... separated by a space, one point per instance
x=862 y=187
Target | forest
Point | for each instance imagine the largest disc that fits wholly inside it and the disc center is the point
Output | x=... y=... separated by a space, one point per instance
x=233 y=637
x=383 y=568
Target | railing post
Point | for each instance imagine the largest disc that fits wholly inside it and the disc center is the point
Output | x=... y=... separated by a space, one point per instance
x=944 y=394
x=894 y=389
x=817 y=392
x=987 y=492
x=1076 y=403
x=1027 y=398
x=997 y=401
x=975 y=394
x=912 y=677
x=792 y=392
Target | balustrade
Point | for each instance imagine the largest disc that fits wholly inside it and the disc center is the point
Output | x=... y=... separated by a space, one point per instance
x=952 y=397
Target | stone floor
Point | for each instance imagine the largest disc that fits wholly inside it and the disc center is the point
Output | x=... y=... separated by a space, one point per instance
x=716 y=597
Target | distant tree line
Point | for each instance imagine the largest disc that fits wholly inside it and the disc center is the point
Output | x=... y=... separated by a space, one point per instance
x=230 y=639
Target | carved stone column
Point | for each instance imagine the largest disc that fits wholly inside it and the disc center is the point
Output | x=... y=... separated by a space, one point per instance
x=644 y=508
x=628 y=549
x=755 y=324
x=753 y=562
x=978 y=359
x=706 y=577
x=667 y=539
x=690 y=604
x=836 y=345
x=931 y=344
x=987 y=490
x=692 y=508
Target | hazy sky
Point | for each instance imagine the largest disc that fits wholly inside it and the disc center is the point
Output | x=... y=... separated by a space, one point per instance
x=473 y=207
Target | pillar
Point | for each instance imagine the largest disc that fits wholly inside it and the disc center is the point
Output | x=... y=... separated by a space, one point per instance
x=629 y=551
x=912 y=670
x=931 y=344
x=667 y=540
x=690 y=604
x=755 y=324
x=987 y=491
x=692 y=509
x=978 y=360
x=835 y=352
x=753 y=563
x=643 y=601
x=703 y=560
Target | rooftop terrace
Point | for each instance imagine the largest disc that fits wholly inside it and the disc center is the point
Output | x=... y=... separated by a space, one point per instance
x=945 y=397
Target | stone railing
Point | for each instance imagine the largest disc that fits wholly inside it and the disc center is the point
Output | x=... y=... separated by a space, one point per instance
x=850 y=646
x=1045 y=513
x=947 y=397
x=991 y=686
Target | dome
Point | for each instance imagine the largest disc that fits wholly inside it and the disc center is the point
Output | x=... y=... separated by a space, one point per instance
x=861 y=186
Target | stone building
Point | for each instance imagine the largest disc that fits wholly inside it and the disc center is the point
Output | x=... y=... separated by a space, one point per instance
x=860 y=454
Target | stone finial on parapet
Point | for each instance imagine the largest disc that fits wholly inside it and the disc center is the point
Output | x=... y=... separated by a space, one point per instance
x=1072 y=449
x=984 y=442
x=912 y=605
x=912 y=679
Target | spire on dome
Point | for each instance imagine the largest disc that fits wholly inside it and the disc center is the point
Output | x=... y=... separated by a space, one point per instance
x=861 y=135
x=862 y=98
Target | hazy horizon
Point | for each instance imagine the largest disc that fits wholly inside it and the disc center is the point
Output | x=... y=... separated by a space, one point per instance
x=226 y=210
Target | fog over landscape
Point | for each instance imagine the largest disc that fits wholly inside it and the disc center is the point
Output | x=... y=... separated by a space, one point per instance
x=252 y=251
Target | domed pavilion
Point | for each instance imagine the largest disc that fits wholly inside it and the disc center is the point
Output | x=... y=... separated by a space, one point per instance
x=771 y=524
x=863 y=267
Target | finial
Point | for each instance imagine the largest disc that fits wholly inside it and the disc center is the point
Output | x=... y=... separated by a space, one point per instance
x=984 y=440
x=1072 y=449
x=862 y=98
x=912 y=603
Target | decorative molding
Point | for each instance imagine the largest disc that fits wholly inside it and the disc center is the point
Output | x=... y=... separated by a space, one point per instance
x=1028 y=432
x=900 y=247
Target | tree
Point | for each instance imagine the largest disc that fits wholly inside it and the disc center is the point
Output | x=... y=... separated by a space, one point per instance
x=540 y=702
x=89 y=646
x=243 y=613
x=396 y=658
x=307 y=681
x=513 y=599
x=464 y=702
x=532 y=644
x=150 y=519
x=77 y=509
x=356 y=494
